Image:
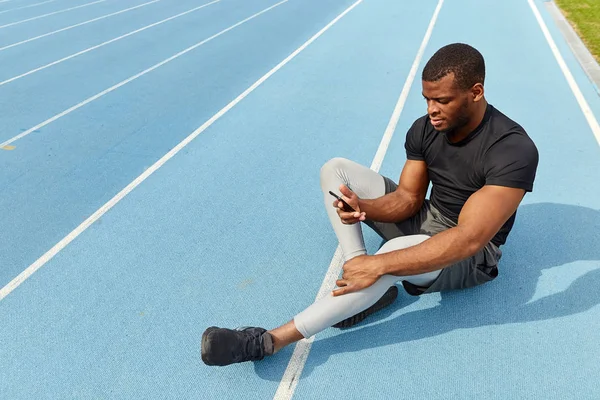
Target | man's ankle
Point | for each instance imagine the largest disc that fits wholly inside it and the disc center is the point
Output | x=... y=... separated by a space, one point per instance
x=268 y=344
x=284 y=336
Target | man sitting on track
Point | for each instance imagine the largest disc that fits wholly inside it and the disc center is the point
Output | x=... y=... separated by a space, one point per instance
x=480 y=163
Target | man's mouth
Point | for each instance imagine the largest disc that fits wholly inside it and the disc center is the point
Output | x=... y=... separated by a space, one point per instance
x=436 y=122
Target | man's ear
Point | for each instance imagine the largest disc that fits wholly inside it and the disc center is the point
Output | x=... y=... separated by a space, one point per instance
x=477 y=92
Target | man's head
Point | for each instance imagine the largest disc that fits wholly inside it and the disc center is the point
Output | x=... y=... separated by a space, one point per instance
x=453 y=86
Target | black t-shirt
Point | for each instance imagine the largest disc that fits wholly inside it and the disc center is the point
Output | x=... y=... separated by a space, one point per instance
x=498 y=152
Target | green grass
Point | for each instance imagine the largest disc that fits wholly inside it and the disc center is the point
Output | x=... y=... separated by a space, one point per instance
x=584 y=15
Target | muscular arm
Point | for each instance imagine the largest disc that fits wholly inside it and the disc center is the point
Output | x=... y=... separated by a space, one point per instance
x=480 y=219
x=405 y=201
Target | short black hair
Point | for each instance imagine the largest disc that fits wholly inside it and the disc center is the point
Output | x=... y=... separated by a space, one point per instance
x=465 y=61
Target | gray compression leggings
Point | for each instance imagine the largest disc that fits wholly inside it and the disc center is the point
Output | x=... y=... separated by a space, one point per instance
x=367 y=184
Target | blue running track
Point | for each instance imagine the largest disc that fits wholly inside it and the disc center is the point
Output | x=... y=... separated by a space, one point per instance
x=231 y=230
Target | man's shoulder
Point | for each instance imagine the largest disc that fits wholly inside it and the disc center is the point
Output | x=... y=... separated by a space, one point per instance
x=506 y=132
x=511 y=157
x=510 y=148
x=417 y=138
x=421 y=127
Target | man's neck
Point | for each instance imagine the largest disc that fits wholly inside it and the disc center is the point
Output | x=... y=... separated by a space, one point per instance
x=464 y=131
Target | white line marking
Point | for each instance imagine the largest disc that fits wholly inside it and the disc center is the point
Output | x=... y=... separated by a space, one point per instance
x=134 y=77
x=582 y=53
x=29 y=6
x=585 y=108
x=12 y=285
x=76 y=25
x=292 y=373
x=291 y=376
x=14 y=78
x=52 y=13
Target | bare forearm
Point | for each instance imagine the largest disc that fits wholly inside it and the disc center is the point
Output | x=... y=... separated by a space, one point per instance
x=440 y=251
x=393 y=207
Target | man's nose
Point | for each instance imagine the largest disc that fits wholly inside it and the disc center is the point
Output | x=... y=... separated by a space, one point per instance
x=432 y=108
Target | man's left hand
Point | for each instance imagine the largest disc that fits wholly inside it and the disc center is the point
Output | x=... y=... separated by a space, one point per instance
x=359 y=273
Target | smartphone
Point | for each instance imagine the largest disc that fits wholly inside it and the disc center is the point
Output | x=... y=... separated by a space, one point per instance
x=347 y=207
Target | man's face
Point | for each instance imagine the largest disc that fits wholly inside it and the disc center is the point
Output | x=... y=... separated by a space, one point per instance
x=448 y=106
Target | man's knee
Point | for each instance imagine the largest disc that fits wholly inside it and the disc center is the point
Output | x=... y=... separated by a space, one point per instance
x=402 y=242
x=333 y=167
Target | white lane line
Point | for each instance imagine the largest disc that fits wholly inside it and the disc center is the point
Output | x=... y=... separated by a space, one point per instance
x=29 y=6
x=585 y=108
x=52 y=13
x=14 y=78
x=18 y=280
x=132 y=78
x=76 y=25
x=291 y=376
x=582 y=53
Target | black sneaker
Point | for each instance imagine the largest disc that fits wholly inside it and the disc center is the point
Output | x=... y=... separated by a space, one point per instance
x=385 y=300
x=222 y=346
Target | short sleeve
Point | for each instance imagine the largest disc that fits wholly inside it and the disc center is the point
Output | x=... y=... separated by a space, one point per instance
x=512 y=161
x=414 y=141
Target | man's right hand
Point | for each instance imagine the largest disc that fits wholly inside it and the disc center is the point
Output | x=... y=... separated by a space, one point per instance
x=352 y=217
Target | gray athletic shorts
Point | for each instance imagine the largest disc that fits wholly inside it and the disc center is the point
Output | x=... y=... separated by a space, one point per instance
x=476 y=270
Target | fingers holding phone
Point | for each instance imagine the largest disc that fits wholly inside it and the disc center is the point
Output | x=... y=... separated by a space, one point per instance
x=347 y=206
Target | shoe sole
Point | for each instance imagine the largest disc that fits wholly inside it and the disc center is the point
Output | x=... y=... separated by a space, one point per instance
x=386 y=300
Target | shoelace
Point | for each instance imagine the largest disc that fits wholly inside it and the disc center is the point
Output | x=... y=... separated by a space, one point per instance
x=253 y=343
